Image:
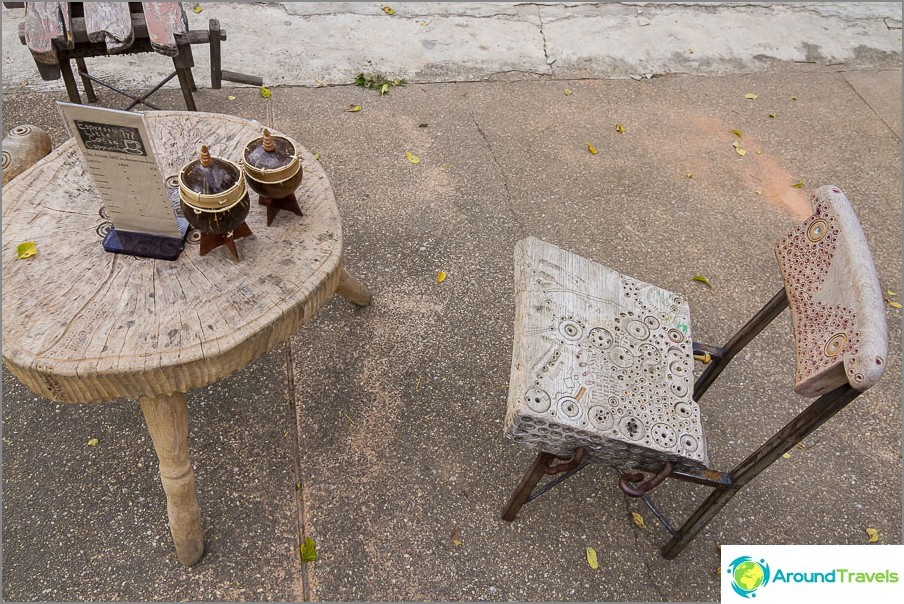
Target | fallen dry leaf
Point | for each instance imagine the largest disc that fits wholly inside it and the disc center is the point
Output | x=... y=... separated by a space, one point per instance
x=230 y=97
x=758 y=192
x=750 y=96
x=793 y=98
x=456 y=537
x=388 y=10
x=591 y=558
x=890 y=293
x=353 y=108
x=92 y=442
x=786 y=455
x=738 y=149
x=265 y=92
x=26 y=250
x=441 y=276
x=873 y=535
x=737 y=133
x=894 y=304
x=592 y=149
x=689 y=175
x=619 y=128
x=798 y=185
x=568 y=92
x=197 y=8
x=638 y=520
x=412 y=157
x=701 y=279
x=772 y=115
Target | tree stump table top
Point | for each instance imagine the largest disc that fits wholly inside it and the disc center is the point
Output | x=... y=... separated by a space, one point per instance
x=84 y=325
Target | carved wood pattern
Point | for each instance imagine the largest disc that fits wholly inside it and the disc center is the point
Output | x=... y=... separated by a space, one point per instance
x=602 y=361
x=836 y=303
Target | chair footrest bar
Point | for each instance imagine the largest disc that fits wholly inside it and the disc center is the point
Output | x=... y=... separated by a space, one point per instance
x=658 y=514
x=556 y=481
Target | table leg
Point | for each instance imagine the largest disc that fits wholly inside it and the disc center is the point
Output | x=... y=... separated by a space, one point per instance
x=167 y=421
x=352 y=289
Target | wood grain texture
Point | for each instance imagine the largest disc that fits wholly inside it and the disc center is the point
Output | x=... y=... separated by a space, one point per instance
x=110 y=23
x=46 y=23
x=83 y=325
x=167 y=421
x=836 y=303
x=165 y=20
x=23 y=147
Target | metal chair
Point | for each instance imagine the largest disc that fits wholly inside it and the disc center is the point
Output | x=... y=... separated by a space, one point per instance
x=602 y=363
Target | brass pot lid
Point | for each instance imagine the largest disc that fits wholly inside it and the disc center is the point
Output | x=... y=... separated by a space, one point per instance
x=211 y=183
x=271 y=159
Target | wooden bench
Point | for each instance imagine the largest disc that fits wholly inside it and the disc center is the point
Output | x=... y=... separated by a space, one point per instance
x=57 y=32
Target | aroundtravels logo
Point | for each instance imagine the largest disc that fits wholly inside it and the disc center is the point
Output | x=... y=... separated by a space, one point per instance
x=748 y=575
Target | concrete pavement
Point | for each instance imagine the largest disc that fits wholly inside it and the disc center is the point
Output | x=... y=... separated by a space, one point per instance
x=397 y=409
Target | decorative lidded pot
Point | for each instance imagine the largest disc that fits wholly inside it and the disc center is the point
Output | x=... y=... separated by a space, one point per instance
x=214 y=198
x=272 y=166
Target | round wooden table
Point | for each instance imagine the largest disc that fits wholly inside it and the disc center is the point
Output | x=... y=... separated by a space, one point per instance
x=84 y=325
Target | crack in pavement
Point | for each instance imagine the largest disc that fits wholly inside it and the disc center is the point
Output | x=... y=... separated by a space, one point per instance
x=505 y=184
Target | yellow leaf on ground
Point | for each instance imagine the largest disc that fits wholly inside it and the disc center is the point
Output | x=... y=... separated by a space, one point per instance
x=308 y=550
x=772 y=115
x=738 y=149
x=798 y=185
x=568 y=92
x=800 y=446
x=701 y=279
x=890 y=293
x=424 y=23
x=412 y=157
x=591 y=558
x=92 y=442
x=418 y=385
x=758 y=192
x=787 y=456
x=388 y=10
x=353 y=108
x=265 y=92
x=737 y=133
x=793 y=98
x=750 y=96
x=592 y=149
x=690 y=174
x=320 y=83
x=230 y=98
x=894 y=304
x=26 y=250
x=197 y=8
x=317 y=156
x=384 y=89
x=638 y=520
x=619 y=128
x=456 y=537
x=873 y=535
x=440 y=276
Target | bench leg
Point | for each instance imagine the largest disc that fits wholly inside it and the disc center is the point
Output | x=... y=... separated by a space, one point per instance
x=69 y=80
x=167 y=421
x=352 y=289
x=86 y=83
x=183 y=62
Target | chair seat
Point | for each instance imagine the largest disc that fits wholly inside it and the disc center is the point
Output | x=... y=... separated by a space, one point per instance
x=601 y=361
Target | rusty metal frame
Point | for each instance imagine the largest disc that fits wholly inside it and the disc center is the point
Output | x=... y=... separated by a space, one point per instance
x=724 y=484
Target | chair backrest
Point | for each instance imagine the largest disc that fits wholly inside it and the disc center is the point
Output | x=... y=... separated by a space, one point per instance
x=837 y=309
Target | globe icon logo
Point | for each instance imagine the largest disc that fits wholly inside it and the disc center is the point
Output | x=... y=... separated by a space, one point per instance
x=748 y=575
